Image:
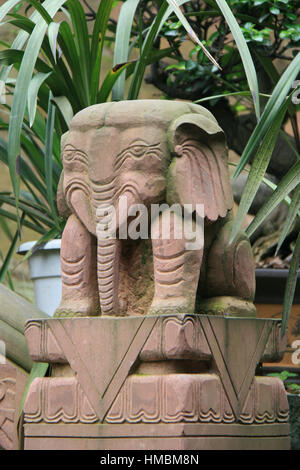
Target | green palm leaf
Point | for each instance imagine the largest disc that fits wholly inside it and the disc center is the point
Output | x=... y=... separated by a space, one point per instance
x=121 y=51
x=175 y=7
x=9 y=5
x=258 y=169
x=290 y=286
x=278 y=97
x=19 y=101
x=32 y=94
x=286 y=185
x=244 y=53
x=293 y=212
x=99 y=31
x=11 y=252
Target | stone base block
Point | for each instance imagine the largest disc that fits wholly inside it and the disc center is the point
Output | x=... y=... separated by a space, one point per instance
x=185 y=382
x=157 y=437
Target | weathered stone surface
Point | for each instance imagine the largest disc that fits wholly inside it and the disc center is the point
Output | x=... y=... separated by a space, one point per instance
x=12 y=383
x=155 y=371
x=152 y=152
x=149 y=378
x=175 y=436
x=15 y=361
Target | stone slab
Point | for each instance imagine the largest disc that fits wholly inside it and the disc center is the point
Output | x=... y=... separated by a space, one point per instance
x=158 y=437
x=176 y=381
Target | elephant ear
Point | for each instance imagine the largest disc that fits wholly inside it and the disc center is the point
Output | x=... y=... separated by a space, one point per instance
x=62 y=206
x=199 y=174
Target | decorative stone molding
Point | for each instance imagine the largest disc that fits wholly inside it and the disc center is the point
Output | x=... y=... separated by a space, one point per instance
x=154 y=371
x=173 y=398
x=58 y=400
x=12 y=383
x=7 y=406
x=177 y=398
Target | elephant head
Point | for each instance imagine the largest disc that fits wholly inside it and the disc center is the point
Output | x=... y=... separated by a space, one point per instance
x=150 y=151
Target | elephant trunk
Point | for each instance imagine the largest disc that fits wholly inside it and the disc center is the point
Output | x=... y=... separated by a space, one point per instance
x=108 y=260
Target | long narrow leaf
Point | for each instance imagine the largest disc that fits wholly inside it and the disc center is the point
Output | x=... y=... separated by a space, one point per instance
x=286 y=185
x=100 y=26
x=32 y=94
x=279 y=95
x=290 y=286
x=137 y=78
x=10 y=216
x=20 y=40
x=293 y=212
x=19 y=101
x=81 y=38
x=53 y=30
x=258 y=169
x=7 y=7
x=110 y=80
x=65 y=108
x=190 y=30
x=48 y=158
x=244 y=53
x=98 y=36
x=28 y=209
x=5 y=228
x=121 y=50
x=11 y=252
x=27 y=175
x=225 y=95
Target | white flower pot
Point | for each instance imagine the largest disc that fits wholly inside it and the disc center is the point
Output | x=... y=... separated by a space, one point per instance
x=44 y=268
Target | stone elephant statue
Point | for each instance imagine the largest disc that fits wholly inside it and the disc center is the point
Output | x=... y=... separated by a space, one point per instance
x=152 y=152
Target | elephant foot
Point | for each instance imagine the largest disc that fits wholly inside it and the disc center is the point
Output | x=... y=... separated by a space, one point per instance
x=226 y=306
x=169 y=306
x=76 y=309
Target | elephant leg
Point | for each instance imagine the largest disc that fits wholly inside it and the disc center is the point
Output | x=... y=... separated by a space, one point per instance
x=228 y=286
x=176 y=268
x=78 y=267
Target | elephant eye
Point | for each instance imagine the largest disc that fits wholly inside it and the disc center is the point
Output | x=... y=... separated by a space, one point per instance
x=138 y=150
x=75 y=155
x=68 y=154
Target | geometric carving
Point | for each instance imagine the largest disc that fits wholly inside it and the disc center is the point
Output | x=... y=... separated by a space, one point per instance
x=173 y=337
x=44 y=346
x=180 y=398
x=195 y=398
x=59 y=399
x=102 y=343
x=7 y=406
x=12 y=383
x=276 y=345
x=167 y=370
x=176 y=337
x=237 y=348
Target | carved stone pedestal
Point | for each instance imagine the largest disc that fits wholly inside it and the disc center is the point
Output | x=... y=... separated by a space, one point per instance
x=155 y=382
x=12 y=383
